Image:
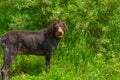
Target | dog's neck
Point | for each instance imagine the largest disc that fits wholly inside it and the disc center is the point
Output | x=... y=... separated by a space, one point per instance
x=53 y=39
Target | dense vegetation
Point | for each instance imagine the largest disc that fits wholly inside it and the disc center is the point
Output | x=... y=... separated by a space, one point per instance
x=89 y=51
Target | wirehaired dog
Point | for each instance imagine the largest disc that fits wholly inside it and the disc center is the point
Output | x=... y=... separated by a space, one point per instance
x=42 y=43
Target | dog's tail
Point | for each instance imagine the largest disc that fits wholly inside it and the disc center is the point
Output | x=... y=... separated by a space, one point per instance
x=0 y=41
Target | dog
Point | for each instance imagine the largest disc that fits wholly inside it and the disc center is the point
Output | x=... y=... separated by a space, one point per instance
x=43 y=43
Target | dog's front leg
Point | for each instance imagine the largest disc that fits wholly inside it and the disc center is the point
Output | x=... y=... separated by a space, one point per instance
x=48 y=60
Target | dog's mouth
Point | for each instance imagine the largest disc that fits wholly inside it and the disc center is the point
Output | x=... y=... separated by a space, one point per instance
x=59 y=35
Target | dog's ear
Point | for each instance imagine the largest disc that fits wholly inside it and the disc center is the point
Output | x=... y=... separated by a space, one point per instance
x=57 y=21
x=52 y=27
x=65 y=27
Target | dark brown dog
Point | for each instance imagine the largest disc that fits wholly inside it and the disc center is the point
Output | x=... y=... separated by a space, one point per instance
x=42 y=42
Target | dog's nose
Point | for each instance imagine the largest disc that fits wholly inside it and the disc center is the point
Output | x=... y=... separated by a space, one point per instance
x=60 y=33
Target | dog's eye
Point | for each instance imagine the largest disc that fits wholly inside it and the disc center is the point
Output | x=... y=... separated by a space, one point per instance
x=62 y=26
x=56 y=27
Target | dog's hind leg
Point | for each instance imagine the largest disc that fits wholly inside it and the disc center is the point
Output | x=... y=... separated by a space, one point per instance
x=9 y=56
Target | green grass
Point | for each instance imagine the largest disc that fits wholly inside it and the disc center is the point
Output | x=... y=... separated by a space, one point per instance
x=68 y=63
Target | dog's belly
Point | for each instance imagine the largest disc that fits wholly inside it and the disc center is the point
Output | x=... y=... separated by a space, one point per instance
x=24 y=51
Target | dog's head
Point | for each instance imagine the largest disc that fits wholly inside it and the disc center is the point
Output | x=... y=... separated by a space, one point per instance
x=59 y=29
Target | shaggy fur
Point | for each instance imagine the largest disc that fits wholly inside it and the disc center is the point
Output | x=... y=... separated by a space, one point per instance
x=42 y=42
